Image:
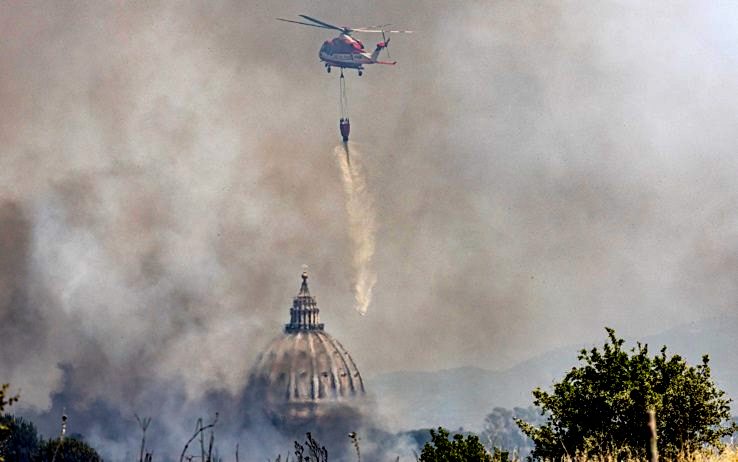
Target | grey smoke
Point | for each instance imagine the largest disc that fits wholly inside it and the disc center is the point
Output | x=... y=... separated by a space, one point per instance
x=541 y=170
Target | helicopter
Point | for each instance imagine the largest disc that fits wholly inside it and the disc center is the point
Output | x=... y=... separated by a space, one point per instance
x=345 y=51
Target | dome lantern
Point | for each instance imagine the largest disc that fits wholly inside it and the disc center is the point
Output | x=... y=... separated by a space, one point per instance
x=304 y=314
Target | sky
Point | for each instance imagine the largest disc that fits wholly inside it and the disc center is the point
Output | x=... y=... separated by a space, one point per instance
x=538 y=170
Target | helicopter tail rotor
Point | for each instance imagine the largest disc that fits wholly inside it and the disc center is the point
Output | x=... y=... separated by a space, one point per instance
x=386 y=43
x=381 y=46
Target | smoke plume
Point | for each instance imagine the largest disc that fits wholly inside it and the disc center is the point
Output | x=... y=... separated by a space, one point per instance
x=361 y=223
x=540 y=169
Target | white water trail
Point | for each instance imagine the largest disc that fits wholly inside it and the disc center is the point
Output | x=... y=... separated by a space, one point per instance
x=361 y=224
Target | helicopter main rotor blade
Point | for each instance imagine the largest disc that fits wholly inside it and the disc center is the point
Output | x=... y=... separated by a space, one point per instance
x=324 y=24
x=380 y=31
x=303 y=23
x=377 y=27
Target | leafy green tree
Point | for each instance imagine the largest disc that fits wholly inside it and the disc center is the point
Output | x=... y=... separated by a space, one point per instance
x=600 y=407
x=458 y=449
x=67 y=450
x=5 y=401
x=22 y=442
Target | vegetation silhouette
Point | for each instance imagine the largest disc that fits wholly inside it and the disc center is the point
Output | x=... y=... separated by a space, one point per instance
x=457 y=449
x=600 y=408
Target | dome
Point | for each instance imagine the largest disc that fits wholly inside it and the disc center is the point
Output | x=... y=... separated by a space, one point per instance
x=305 y=372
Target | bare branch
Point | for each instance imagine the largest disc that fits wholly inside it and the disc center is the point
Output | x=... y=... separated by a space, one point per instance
x=198 y=431
x=144 y=424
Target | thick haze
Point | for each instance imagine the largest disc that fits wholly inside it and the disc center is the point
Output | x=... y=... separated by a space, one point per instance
x=539 y=170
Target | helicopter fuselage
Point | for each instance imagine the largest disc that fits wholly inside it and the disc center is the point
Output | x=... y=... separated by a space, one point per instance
x=345 y=51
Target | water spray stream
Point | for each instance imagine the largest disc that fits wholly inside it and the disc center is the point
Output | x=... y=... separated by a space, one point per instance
x=361 y=224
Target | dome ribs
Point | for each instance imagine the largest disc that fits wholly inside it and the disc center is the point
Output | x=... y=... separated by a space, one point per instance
x=305 y=372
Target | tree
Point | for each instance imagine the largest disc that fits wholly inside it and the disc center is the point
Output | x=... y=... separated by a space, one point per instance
x=67 y=450
x=600 y=407
x=5 y=401
x=22 y=442
x=501 y=432
x=459 y=449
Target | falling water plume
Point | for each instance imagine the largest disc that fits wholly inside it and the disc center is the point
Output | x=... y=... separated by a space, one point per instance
x=361 y=224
